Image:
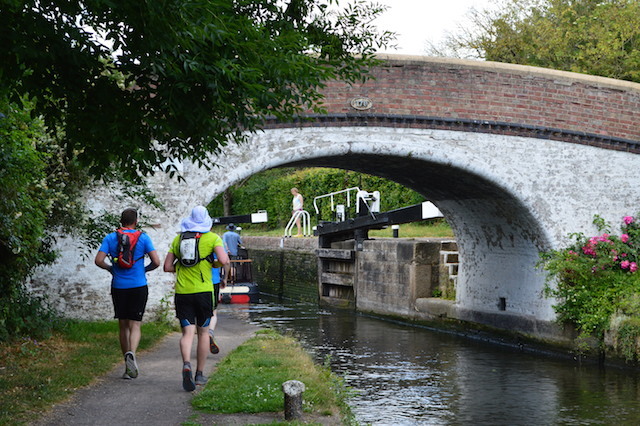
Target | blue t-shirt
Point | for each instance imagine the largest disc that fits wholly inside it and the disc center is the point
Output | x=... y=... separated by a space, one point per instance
x=231 y=240
x=215 y=272
x=135 y=276
x=215 y=275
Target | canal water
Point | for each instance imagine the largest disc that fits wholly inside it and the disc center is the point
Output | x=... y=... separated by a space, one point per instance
x=407 y=375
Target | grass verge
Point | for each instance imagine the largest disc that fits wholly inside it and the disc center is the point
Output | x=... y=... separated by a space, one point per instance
x=34 y=375
x=433 y=229
x=425 y=229
x=249 y=380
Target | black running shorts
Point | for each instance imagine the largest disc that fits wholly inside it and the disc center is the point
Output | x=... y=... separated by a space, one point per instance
x=194 y=309
x=129 y=303
x=216 y=295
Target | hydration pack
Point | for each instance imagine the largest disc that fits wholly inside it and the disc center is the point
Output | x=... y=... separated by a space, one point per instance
x=126 y=244
x=190 y=248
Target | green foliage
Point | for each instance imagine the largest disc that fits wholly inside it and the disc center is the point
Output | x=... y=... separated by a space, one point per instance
x=26 y=201
x=164 y=313
x=40 y=193
x=23 y=194
x=599 y=37
x=177 y=79
x=271 y=191
x=627 y=338
x=22 y=314
x=595 y=277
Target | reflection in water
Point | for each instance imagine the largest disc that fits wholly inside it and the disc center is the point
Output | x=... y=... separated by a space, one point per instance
x=405 y=375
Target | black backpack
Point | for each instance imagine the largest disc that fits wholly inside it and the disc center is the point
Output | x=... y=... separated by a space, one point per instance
x=189 y=248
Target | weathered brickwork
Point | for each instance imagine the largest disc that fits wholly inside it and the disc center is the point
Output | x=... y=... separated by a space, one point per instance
x=493 y=98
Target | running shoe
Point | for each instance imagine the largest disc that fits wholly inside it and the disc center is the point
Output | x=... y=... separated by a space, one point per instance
x=187 y=379
x=131 y=365
x=126 y=376
x=213 y=347
x=200 y=378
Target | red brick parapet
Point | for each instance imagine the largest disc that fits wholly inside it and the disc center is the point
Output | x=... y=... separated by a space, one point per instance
x=454 y=94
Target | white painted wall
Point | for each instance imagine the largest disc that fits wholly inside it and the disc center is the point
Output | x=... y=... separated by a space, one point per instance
x=506 y=198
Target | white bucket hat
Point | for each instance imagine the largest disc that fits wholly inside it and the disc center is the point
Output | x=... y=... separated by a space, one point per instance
x=198 y=221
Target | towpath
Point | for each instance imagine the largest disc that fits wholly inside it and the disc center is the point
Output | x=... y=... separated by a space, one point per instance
x=156 y=397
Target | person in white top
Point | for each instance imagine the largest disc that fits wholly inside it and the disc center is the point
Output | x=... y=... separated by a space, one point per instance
x=298 y=203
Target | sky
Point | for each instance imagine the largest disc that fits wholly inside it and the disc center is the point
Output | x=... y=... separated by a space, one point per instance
x=416 y=21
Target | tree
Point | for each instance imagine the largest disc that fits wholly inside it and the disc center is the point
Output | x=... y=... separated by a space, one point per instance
x=270 y=191
x=113 y=89
x=599 y=37
x=39 y=191
x=134 y=84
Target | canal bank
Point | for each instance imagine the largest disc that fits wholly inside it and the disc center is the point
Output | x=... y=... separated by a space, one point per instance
x=402 y=374
x=402 y=279
x=386 y=277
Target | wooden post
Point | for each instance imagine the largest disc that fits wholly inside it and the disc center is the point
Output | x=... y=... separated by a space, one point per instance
x=293 y=399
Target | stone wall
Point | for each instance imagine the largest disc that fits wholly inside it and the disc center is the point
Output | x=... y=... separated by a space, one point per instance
x=286 y=267
x=385 y=278
x=393 y=273
x=391 y=277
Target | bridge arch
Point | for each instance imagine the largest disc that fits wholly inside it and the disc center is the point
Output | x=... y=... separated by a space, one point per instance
x=505 y=205
x=515 y=157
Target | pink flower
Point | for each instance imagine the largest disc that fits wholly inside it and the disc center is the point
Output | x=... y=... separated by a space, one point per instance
x=633 y=267
x=625 y=264
x=624 y=238
x=623 y=254
x=603 y=237
x=628 y=220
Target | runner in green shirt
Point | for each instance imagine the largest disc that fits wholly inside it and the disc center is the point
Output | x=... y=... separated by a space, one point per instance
x=194 y=289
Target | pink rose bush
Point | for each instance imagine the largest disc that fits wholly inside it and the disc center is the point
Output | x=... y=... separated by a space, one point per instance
x=595 y=276
x=610 y=251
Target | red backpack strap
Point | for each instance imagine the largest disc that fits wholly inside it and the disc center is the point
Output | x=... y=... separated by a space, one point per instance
x=134 y=236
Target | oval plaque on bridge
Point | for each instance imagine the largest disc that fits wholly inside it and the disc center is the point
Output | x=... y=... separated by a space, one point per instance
x=361 y=104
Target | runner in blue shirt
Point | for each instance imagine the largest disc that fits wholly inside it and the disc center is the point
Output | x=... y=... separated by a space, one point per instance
x=129 y=290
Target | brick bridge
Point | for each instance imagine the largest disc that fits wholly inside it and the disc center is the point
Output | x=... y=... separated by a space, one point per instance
x=515 y=157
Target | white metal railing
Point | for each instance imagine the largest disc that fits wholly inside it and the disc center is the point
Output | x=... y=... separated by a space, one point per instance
x=305 y=223
x=331 y=196
x=371 y=201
